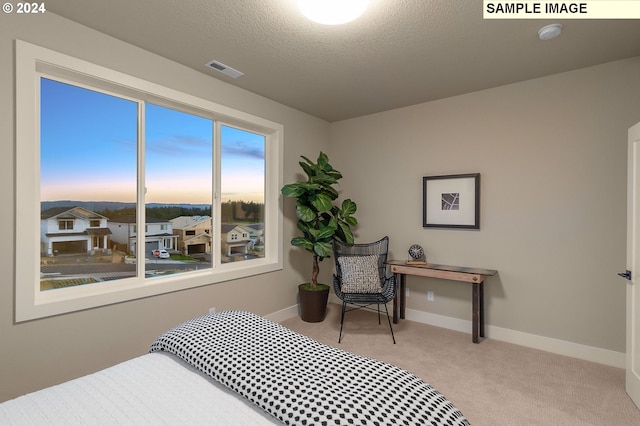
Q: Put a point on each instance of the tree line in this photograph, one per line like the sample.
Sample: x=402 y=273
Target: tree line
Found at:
x=231 y=211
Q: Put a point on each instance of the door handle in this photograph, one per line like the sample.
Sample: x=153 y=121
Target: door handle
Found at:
x=626 y=275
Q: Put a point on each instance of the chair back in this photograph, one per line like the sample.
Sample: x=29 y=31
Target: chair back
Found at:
x=380 y=248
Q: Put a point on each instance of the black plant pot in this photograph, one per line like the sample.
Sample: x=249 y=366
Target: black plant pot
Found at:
x=313 y=302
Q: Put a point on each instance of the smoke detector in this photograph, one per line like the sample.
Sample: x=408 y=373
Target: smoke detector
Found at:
x=550 y=31
x=224 y=69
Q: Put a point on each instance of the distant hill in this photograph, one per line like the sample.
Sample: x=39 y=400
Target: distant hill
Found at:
x=98 y=206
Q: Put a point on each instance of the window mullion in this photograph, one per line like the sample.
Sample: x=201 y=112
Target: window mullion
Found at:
x=141 y=195
x=216 y=207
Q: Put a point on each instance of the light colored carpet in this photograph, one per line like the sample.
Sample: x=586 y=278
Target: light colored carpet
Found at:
x=492 y=383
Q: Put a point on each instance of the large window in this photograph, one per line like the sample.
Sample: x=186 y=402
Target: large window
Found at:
x=201 y=180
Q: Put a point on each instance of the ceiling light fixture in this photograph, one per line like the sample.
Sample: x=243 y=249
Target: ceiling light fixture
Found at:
x=550 y=31
x=332 y=12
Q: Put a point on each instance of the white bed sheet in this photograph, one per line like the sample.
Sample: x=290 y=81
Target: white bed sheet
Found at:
x=153 y=389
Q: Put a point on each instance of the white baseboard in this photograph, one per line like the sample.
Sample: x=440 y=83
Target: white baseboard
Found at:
x=283 y=314
x=548 y=344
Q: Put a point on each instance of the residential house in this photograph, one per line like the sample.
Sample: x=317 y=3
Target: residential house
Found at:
x=235 y=239
x=256 y=233
x=73 y=230
x=158 y=234
x=194 y=234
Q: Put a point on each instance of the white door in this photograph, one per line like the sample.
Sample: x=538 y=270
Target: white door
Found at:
x=633 y=265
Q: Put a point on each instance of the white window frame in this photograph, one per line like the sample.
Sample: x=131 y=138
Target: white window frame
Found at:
x=33 y=62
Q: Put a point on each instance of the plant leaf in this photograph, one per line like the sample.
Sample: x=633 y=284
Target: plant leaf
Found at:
x=346 y=234
x=351 y=221
x=322 y=249
x=305 y=213
x=323 y=160
x=307 y=168
x=292 y=190
x=326 y=232
x=321 y=201
x=348 y=207
x=301 y=242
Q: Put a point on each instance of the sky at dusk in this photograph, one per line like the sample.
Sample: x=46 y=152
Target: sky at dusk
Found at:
x=88 y=151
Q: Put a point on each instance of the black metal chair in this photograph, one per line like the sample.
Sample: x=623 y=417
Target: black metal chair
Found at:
x=361 y=278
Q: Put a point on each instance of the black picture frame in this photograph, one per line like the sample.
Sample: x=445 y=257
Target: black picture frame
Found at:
x=451 y=201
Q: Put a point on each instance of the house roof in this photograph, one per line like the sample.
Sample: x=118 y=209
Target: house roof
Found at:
x=70 y=213
x=202 y=236
x=98 y=231
x=164 y=234
x=185 y=222
x=228 y=227
x=88 y=231
x=399 y=53
x=256 y=226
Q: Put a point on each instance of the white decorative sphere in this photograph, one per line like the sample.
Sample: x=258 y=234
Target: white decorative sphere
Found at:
x=416 y=251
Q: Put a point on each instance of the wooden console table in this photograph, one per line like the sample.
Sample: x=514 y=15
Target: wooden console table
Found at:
x=475 y=276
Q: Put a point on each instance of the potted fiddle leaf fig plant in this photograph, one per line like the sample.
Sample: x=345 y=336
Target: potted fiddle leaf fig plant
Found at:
x=319 y=220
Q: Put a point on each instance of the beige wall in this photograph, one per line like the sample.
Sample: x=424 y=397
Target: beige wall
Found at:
x=552 y=157
x=47 y=351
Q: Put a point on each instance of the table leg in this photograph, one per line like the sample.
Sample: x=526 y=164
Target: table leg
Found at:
x=481 y=301
x=400 y=300
x=395 y=299
x=403 y=295
x=475 y=312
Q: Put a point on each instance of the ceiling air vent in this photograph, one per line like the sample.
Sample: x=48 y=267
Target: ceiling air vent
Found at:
x=219 y=66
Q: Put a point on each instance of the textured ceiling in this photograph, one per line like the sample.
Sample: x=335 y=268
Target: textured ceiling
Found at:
x=399 y=53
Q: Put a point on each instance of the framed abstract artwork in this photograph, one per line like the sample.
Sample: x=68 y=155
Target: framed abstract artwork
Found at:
x=451 y=201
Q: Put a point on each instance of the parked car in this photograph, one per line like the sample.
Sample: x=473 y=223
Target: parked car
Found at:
x=161 y=253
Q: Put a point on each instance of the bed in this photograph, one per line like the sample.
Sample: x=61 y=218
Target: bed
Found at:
x=235 y=367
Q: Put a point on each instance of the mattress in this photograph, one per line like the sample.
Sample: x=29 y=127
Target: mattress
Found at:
x=153 y=389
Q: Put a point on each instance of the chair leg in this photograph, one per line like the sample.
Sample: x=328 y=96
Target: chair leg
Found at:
x=390 y=327
x=344 y=307
x=379 y=314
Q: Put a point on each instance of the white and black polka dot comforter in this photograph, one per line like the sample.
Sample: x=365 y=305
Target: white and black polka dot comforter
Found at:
x=301 y=381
